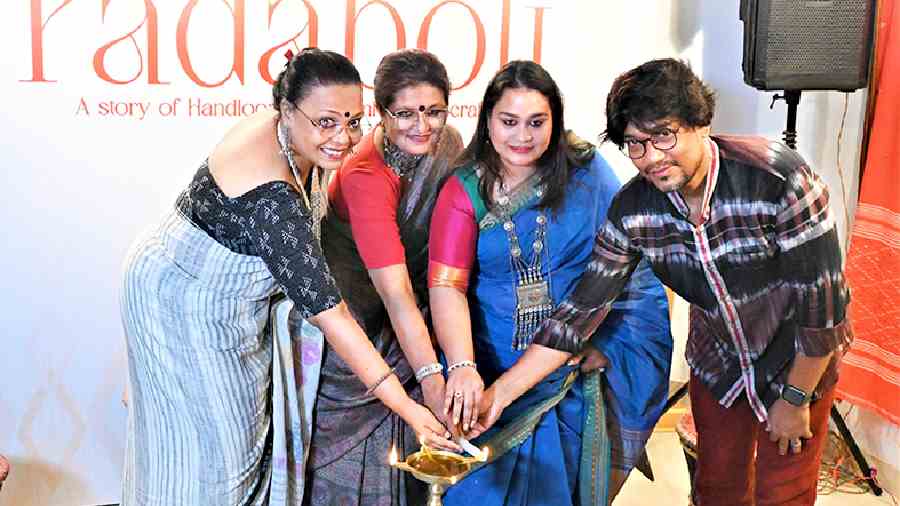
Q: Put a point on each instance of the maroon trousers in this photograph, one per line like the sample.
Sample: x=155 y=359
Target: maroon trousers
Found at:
x=737 y=465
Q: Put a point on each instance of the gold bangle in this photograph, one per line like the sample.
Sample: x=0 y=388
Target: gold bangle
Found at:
x=379 y=381
x=446 y=275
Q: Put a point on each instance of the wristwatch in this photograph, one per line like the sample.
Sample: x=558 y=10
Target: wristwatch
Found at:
x=795 y=396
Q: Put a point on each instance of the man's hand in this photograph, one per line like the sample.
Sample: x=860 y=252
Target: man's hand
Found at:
x=492 y=406
x=788 y=426
x=590 y=358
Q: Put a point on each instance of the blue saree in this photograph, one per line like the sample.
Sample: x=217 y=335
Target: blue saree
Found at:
x=548 y=465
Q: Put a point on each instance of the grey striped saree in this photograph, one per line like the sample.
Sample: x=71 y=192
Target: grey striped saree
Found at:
x=217 y=413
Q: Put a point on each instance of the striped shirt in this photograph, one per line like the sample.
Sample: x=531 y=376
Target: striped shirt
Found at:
x=762 y=270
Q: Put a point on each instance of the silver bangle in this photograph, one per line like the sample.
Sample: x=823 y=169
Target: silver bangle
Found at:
x=379 y=381
x=427 y=370
x=461 y=363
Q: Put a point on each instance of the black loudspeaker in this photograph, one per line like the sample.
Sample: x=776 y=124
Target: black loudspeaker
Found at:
x=807 y=44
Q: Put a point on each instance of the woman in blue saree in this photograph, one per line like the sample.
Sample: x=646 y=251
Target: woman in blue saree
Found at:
x=511 y=234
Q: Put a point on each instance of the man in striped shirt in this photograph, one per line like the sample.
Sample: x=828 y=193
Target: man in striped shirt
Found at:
x=740 y=227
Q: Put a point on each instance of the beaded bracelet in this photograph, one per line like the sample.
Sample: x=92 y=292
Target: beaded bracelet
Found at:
x=427 y=370
x=461 y=363
x=379 y=381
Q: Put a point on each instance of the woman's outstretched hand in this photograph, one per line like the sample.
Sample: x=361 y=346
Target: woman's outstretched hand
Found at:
x=463 y=398
x=433 y=389
x=429 y=430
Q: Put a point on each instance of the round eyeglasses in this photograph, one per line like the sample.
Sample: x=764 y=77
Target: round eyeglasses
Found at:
x=664 y=140
x=407 y=118
x=331 y=127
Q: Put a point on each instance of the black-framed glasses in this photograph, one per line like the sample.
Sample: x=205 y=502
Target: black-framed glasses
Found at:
x=663 y=140
x=331 y=127
x=406 y=118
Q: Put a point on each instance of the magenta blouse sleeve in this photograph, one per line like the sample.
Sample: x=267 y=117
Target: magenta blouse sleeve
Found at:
x=453 y=238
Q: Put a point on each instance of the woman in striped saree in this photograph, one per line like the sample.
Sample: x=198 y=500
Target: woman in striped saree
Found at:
x=197 y=295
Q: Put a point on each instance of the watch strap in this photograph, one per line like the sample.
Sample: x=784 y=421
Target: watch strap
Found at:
x=795 y=396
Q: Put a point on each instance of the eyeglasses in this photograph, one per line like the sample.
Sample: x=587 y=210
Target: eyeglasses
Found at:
x=637 y=148
x=330 y=127
x=406 y=118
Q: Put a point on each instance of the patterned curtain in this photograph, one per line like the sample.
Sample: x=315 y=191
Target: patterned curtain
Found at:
x=871 y=372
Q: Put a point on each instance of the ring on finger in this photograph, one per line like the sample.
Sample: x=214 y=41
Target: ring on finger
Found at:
x=457 y=394
x=795 y=443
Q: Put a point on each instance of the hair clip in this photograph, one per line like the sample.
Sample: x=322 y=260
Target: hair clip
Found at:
x=289 y=54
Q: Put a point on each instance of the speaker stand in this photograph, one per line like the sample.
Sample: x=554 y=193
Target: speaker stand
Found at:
x=792 y=98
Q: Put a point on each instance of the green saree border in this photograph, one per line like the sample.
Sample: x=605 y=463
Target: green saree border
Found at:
x=594 y=468
x=595 y=445
x=469 y=179
x=486 y=219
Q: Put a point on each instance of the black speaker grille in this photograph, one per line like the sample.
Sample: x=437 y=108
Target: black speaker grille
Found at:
x=807 y=44
x=821 y=37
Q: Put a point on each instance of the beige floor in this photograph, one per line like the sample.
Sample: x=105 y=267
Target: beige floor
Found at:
x=671 y=487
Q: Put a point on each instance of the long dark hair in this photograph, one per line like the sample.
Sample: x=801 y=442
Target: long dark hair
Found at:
x=563 y=154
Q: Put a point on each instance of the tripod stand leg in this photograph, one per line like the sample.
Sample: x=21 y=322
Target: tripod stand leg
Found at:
x=854 y=450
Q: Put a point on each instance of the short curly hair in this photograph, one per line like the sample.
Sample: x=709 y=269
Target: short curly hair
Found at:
x=664 y=88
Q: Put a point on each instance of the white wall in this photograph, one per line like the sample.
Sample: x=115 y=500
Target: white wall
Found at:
x=77 y=188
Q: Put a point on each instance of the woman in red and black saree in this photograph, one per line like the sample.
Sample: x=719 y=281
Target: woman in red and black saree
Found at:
x=511 y=234
x=376 y=245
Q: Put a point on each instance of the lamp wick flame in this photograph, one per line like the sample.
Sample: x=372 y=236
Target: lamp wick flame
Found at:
x=392 y=456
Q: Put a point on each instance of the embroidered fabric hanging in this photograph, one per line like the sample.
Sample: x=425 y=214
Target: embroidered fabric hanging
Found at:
x=401 y=162
x=533 y=302
x=316 y=201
